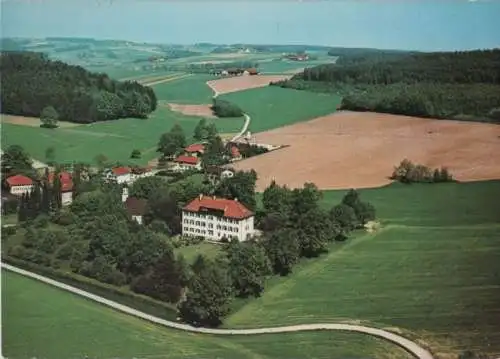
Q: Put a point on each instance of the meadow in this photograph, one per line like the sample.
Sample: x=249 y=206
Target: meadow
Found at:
x=34 y=327
x=190 y=253
x=272 y=107
x=114 y=139
x=188 y=90
x=431 y=270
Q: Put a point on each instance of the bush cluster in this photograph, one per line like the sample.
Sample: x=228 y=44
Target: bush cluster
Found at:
x=408 y=172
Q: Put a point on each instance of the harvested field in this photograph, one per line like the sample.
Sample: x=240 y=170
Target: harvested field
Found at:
x=240 y=83
x=192 y=110
x=32 y=121
x=360 y=150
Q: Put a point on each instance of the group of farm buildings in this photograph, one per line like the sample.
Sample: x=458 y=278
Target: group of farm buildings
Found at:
x=208 y=217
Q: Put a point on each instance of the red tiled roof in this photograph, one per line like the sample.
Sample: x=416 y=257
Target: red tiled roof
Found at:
x=120 y=171
x=231 y=208
x=19 y=180
x=190 y=160
x=66 y=181
x=195 y=147
x=136 y=206
x=235 y=151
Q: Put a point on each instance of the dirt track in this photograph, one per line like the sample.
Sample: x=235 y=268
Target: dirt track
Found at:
x=360 y=150
x=239 y=83
x=32 y=121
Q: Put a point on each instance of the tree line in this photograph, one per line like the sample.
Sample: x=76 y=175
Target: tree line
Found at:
x=454 y=85
x=31 y=82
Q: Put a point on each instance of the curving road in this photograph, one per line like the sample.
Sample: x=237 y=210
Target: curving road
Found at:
x=247 y=118
x=406 y=344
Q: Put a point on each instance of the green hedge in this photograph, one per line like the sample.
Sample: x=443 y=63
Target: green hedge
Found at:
x=119 y=295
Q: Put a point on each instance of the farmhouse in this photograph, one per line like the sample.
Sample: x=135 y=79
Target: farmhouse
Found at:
x=183 y=163
x=66 y=186
x=120 y=174
x=217 y=218
x=127 y=174
x=19 y=184
x=136 y=207
x=195 y=150
x=251 y=72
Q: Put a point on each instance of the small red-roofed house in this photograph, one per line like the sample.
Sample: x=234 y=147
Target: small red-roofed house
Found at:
x=183 y=163
x=122 y=174
x=216 y=218
x=195 y=150
x=66 y=180
x=19 y=184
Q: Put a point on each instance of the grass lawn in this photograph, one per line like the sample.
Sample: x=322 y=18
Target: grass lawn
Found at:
x=114 y=139
x=432 y=269
x=187 y=90
x=272 y=107
x=190 y=253
x=45 y=322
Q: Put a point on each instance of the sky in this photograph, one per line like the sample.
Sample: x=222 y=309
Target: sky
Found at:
x=424 y=25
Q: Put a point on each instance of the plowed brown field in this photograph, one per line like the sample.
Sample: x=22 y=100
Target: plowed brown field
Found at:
x=193 y=110
x=239 y=83
x=360 y=150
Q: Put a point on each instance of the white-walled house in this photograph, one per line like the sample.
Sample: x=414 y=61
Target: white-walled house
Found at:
x=122 y=174
x=19 y=184
x=66 y=187
x=215 y=218
x=136 y=207
x=183 y=163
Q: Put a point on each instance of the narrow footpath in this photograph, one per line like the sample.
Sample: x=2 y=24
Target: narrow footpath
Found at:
x=412 y=347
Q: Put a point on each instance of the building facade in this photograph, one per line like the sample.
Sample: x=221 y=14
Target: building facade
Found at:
x=217 y=218
x=19 y=184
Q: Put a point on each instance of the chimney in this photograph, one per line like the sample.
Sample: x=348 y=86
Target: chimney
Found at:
x=200 y=196
x=213 y=197
x=236 y=199
x=124 y=194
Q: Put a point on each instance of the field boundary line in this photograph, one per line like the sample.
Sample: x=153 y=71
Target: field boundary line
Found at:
x=410 y=346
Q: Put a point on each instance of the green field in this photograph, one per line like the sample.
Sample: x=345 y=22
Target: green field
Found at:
x=191 y=252
x=188 y=90
x=433 y=269
x=44 y=322
x=114 y=139
x=272 y=107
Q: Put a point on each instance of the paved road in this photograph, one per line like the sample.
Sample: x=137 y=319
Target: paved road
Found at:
x=407 y=344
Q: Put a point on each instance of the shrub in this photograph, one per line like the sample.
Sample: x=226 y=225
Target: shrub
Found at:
x=65 y=252
x=17 y=251
x=408 y=172
x=8 y=231
x=223 y=108
x=56 y=264
x=135 y=154
x=115 y=277
x=64 y=218
x=39 y=258
x=41 y=221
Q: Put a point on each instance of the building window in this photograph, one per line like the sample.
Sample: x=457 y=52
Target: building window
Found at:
x=210 y=225
x=211 y=233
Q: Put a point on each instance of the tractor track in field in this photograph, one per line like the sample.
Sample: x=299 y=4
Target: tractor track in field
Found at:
x=413 y=348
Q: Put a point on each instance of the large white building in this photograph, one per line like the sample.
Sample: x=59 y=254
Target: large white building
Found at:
x=215 y=218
